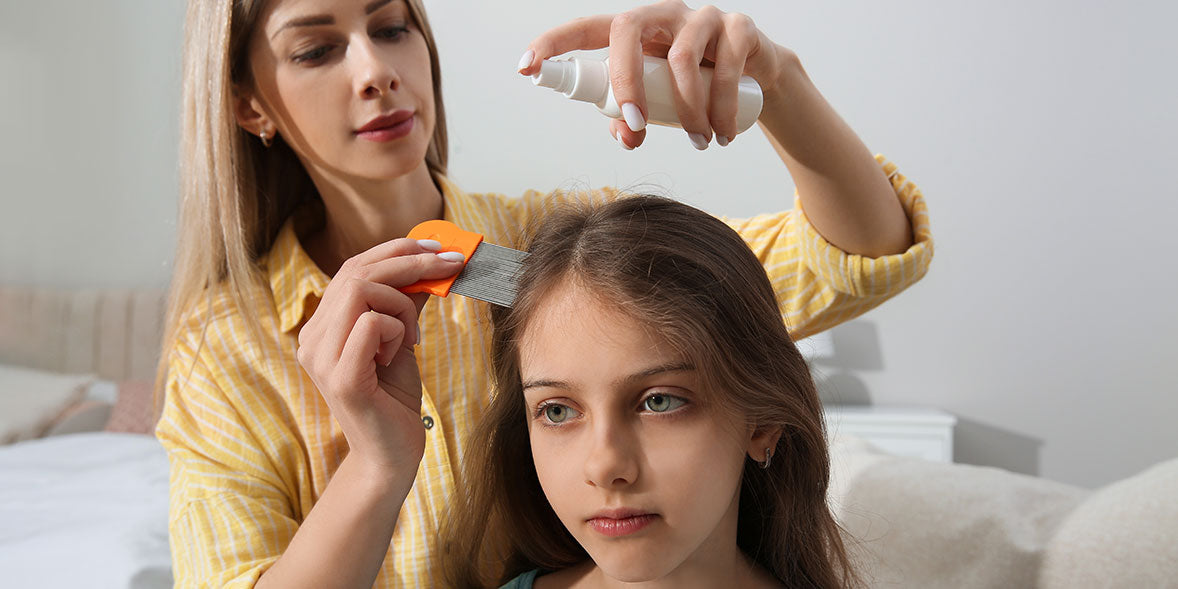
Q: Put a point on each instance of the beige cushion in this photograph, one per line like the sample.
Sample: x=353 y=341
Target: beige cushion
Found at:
x=31 y=400
x=916 y=523
x=1124 y=535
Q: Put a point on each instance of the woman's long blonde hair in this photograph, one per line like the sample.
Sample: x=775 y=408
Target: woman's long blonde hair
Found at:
x=235 y=193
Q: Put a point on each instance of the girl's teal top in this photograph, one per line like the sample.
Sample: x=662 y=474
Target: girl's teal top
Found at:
x=523 y=581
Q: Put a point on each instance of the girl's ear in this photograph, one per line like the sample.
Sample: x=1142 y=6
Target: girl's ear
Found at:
x=761 y=440
x=250 y=113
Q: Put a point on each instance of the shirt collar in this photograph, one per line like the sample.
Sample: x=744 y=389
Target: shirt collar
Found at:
x=295 y=280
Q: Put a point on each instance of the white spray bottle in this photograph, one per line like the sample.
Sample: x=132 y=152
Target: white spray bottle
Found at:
x=587 y=80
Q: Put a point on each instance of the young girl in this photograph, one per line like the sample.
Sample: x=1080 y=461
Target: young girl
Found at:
x=653 y=422
x=313 y=438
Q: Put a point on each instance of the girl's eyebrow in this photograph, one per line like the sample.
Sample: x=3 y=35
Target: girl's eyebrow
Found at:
x=325 y=19
x=669 y=367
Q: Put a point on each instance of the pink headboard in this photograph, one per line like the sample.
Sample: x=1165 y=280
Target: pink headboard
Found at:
x=113 y=333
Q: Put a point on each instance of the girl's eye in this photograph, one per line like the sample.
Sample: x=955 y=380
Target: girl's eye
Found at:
x=559 y=413
x=660 y=403
x=314 y=55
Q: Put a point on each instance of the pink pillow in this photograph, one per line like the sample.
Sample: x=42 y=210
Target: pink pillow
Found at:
x=134 y=411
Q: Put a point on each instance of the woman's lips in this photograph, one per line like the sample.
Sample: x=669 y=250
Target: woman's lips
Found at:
x=383 y=131
x=622 y=526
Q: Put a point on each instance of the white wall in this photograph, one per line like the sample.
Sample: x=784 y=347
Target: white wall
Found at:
x=88 y=140
x=1043 y=135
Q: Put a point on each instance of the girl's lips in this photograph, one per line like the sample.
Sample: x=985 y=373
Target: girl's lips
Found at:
x=389 y=133
x=624 y=526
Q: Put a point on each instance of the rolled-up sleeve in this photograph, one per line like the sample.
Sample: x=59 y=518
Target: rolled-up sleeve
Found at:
x=820 y=285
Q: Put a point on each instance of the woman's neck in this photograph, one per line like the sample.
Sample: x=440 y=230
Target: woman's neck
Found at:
x=360 y=215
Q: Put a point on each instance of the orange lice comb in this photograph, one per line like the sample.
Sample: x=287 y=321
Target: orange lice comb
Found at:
x=490 y=272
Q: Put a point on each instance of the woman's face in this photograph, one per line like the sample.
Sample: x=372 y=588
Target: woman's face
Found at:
x=642 y=472
x=347 y=83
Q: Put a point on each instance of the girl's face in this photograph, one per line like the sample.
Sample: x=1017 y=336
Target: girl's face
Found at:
x=347 y=84
x=642 y=472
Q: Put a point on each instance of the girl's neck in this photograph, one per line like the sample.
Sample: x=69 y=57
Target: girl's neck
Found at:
x=738 y=572
x=359 y=215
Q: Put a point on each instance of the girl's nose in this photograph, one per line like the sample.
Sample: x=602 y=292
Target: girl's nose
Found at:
x=613 y=457
x=374 y=76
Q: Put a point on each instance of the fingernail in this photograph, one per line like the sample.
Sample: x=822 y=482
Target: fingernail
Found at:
x=526 y=60
x=452 y=256
x=699 y=141
x=430 y=245
x=633 y=117
x=623 y=143
x=722 y=140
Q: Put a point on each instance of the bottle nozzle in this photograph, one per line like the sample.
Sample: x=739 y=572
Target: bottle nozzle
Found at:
x=558 y=75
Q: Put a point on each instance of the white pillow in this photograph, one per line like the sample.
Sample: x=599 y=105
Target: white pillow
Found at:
x=30 y=400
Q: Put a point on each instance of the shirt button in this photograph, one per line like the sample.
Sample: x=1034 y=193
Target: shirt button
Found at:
x=428 y=422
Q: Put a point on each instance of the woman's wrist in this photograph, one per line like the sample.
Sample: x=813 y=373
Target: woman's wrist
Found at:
x=786 y=87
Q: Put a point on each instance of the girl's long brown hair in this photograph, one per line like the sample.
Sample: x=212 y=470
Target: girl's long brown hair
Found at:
x=693 y=281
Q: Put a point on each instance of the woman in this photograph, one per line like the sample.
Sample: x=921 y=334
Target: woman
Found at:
x=310 y=434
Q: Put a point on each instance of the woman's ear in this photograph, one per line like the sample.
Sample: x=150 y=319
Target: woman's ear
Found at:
x=250 y=113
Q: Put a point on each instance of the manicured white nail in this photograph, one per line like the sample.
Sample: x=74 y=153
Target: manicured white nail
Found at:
x=722 y=140
x=430 y=245
x=622 y=143
x=633 y=117
x=699 y=141
x=452 y=256
x=526 y=60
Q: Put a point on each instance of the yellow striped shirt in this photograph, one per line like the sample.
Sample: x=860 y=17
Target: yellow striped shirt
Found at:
x=252 y=445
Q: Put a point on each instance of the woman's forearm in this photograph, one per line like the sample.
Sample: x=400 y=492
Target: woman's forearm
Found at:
x=843 y=191
x=345 y=537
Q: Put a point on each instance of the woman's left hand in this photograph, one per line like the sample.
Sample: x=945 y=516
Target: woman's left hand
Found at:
x=686 y=38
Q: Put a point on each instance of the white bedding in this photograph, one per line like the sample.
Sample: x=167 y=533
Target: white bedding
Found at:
x=84 y=510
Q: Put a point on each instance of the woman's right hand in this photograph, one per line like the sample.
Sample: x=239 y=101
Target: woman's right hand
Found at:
x=358 y=350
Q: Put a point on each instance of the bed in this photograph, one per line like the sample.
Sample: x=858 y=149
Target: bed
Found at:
x=83 y=486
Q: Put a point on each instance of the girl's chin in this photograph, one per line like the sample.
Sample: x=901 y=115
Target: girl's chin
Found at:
x=626 y=568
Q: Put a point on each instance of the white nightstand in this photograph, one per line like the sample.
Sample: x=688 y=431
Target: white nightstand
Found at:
x=921 y=432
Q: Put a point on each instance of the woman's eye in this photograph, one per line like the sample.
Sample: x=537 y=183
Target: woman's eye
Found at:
x=313 y=55
x=391 y=32
x=662 y=403
x=558 y=413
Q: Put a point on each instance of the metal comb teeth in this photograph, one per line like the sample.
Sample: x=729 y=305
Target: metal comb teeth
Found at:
x=491 y=275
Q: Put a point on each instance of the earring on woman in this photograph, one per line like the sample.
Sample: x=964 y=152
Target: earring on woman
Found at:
x=266 y=140
x=768 y=457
